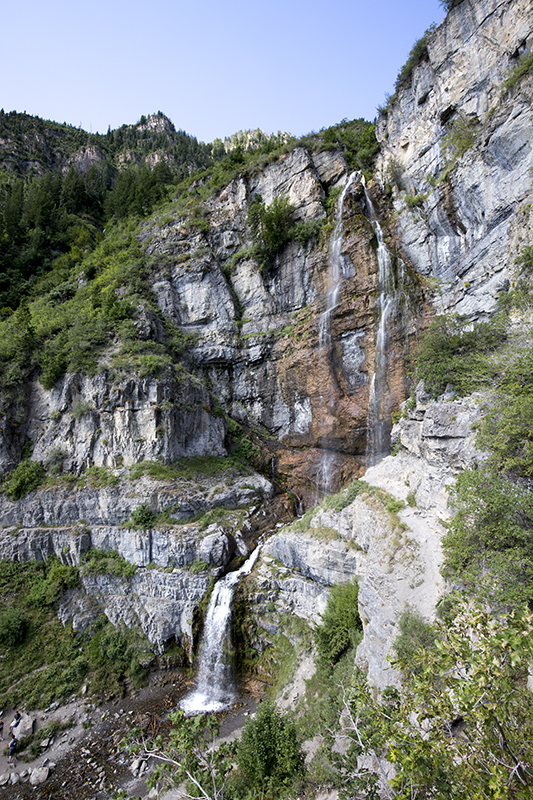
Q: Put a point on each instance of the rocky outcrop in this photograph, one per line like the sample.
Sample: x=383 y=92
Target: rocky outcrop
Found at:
x=396 y=556
x=457 y=149
x=175 y=564
x=99 y=422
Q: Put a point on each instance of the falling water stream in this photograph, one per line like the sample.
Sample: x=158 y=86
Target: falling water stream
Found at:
x=378 y=421
x=215 y=689
x=335 y=263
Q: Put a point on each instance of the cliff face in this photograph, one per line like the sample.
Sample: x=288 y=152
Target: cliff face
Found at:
x=307 y=353
x=259 y=330
x=470 y=220
x=288 y=350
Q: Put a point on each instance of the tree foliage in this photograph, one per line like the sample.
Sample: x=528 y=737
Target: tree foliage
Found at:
x=460 y=726
x=414 y=635
x=489 y=544
x=187 y=755
x=13 y=627
x=269 y=755
x=453 y=352
x=271 y=227
x=26 y=477
x=340 y=627
x=417 y=53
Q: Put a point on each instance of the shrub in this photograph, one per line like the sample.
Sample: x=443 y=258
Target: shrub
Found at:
x=49 y=587
x=418 y=52
x=54 y=459
x=81 y=408
x=12 y=627
x=346 y=496
x=488 y=548
x=415 y=636
x=450 y=353
x=142 y=517
x=271 y=227
x=460 y=136
x=26 y=477
x=199 y=566
x=269 y=755
x=341 y=626
x=304 y=232
x=524 y=67
x=108 y=562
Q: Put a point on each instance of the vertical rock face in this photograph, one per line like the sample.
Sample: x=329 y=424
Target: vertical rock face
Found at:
x=458 y=145
x=255 y=353
x=258 y=329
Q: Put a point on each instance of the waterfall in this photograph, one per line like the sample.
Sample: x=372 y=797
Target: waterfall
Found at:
x=335 y=263
x=215 y=689
x=378 y=420
x=335 y=260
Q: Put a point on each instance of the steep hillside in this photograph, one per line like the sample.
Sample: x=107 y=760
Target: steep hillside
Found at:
x=249 y=346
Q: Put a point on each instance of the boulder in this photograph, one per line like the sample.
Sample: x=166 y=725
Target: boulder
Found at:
x=39 y=775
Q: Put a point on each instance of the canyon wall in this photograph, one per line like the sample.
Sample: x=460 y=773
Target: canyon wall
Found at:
x=451 y=200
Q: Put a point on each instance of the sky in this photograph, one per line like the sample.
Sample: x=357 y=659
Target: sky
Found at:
x=214 y=68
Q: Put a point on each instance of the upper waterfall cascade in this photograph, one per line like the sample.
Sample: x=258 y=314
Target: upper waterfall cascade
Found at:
x=335 y=275
x=388 y=296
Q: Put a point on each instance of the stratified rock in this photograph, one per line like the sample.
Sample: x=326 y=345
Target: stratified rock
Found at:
x=467 y=229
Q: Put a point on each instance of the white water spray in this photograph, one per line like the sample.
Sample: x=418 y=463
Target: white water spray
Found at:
x=215 y=689
x=335 y=262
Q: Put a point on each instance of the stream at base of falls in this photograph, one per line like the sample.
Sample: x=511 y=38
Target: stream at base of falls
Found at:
x=215 y=689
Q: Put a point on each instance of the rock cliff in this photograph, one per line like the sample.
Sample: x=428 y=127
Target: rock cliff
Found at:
x=305 y=355
x=456 y=147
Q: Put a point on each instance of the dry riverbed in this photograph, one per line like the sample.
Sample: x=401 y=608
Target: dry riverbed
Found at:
x=85 y=760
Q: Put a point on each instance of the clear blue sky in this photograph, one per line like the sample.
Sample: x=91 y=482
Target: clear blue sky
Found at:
x=213 y=67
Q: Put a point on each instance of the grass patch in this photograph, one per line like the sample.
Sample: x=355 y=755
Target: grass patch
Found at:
x=339 y=501
x=190 y=469
x=523 y=68
x=107 y=562
x=50 y=662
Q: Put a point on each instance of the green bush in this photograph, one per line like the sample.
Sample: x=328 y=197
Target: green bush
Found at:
x=13 y=627
x=53 y=581
x=415 y=637
x=142 y=517
x=346 y=496
x=25 y=478
x=341 y=626
x=460 y=136
x=451 y=352
x=271 y=227
x=304 y=232
x=269 y=755
x=418 y=52
x=108 y=562
x=524 y=67
x=114 y=653
x=488 y=547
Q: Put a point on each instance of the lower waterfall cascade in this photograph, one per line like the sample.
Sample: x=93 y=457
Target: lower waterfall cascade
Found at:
x=215 y=689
